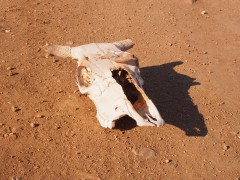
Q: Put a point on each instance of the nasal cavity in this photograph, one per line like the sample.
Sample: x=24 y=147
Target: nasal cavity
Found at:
x=124 y=79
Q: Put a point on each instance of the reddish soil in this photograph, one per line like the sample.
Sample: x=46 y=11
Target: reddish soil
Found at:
x=191 y=66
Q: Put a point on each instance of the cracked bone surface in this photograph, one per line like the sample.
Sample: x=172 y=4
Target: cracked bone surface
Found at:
x=110 y=77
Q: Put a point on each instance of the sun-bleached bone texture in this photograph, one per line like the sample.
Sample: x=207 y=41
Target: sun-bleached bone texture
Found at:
x=110 y=77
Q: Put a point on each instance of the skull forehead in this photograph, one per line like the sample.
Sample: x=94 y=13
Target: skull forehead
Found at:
x=92 y=50
x=100 y=67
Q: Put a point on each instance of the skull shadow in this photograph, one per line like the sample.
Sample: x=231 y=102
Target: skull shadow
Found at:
x=168 y=90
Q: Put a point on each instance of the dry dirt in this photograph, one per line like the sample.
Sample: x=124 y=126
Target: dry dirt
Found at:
x=191 y=66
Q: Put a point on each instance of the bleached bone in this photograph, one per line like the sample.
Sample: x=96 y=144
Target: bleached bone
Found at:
x=124 y=44
x=61 y=51
x=111 y=79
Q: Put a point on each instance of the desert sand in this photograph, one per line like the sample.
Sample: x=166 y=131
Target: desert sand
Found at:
x=190 y=61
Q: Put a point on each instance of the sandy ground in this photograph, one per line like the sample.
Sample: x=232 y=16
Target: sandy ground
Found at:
x=191 y=66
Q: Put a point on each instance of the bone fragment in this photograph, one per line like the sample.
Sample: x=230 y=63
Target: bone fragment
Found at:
x=57 y=50
x=124 y=44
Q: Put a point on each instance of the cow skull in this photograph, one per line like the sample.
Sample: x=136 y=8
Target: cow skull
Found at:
x=110 y=76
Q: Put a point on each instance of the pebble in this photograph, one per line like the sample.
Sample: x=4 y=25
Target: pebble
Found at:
x=47 y=55
x=204 y=12
x=38 y=50
x=168 y=160
x=50 y=139
x=225 y=147
x=57 y=127
x=75 y=91
x=59 y=91
x=10 y=68
x=55 y=60
x=190 y=1
x=16 y=178
x=170 y=44
x=10 y=73
x=36 y=167
x=33 y=125
x=13 y=135
x=15 y=108
x=7 y=31
x=145 y=152
x=40 y=116
x=14 y=130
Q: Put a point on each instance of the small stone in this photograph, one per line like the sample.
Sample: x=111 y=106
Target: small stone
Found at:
x=75 y=91
x=205 y=52
x=40 y=116
x=16 y=178
x=36 y=167
x=10 y=68
x=15 y=108
x=168 y=160
x=190 y=1
x=145 y=152
x=5 y=135
x=225 y=147
x=7 y=31
x=33 y=125
x=14 y=130
x=47 y=55
x=10 y=73
x=57 y=127
x=188 y=52
x=170 y=44
x=204 y=12
x=38 y=50
x=50 y=139
x=55 y=60
x=13 y=135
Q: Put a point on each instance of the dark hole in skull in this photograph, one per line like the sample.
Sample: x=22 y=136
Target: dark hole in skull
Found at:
x=133 y=94
x=122 y=77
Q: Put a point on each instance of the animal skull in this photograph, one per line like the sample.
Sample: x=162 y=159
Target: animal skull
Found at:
x=110 y=77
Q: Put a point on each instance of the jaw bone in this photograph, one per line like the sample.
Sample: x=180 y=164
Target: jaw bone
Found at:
x=111 y=79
